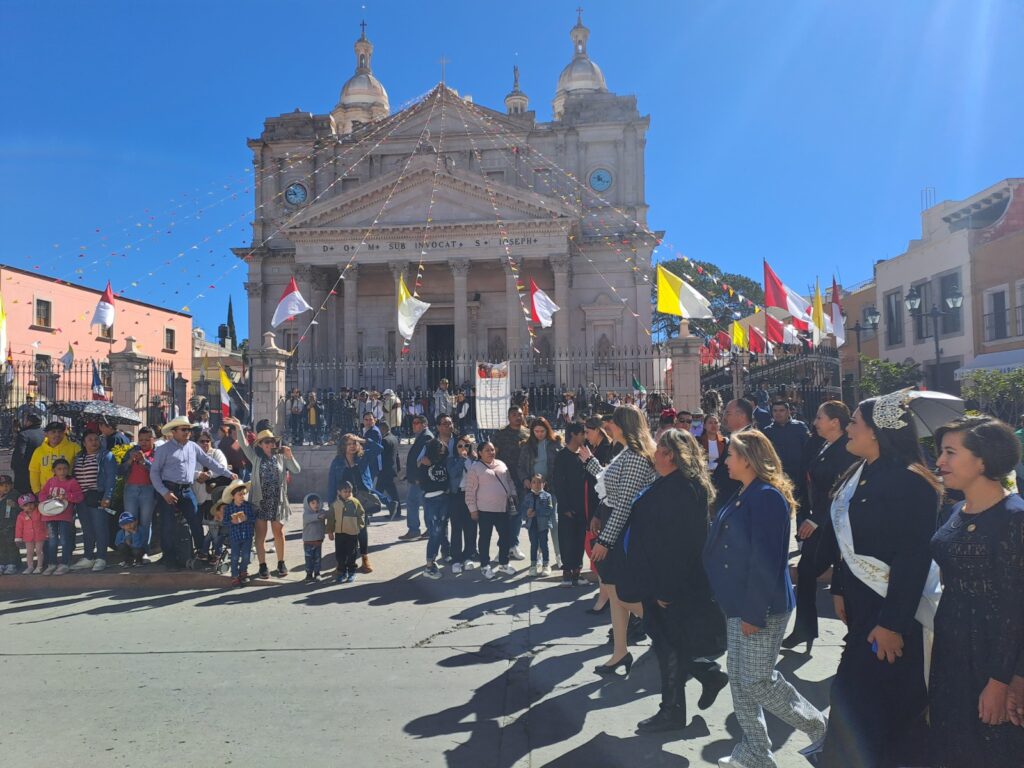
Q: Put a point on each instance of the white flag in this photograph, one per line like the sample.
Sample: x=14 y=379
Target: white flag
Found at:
x=290 y=305
x=410 y=310
x=104 y=314
x=542 y=308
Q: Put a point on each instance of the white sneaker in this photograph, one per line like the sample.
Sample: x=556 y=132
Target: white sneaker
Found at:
x=533 y=569
x=39 y=569
x=730 y=762
x=456 y=568
x=488 y=572
x=27 y=571
x=99 y=565
x=83 y=565
x=516 y=554
x=11 y=570
x=61 y=570
x=545 y=571
x=508 y=570
x=50 y=570
x=469 y=565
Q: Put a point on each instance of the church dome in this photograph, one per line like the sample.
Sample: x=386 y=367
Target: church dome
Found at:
x=363 y=98
x=581 y=75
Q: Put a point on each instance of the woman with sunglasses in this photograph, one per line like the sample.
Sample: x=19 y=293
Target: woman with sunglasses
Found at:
x=464 y=528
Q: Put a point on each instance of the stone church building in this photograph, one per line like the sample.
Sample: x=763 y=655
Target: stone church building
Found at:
x=366 y=195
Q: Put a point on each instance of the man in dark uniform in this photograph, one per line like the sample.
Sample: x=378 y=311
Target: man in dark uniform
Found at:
x=29 y=438
x=421 y=436
x=737 y=417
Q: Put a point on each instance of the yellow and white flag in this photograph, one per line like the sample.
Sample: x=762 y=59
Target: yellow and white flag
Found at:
x=678 y=297
x=410 y=310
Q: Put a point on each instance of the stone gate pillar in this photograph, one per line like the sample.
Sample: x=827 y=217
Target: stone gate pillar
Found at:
x=685 y=353
x=129 y=378
x=268 y=382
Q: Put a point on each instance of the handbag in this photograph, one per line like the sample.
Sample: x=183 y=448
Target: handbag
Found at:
x=510 y=499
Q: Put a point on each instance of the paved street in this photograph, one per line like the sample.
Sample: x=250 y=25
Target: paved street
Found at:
x=393 y=670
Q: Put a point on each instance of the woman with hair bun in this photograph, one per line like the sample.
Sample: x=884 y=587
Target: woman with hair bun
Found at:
x=884 y=589
x=979 y=626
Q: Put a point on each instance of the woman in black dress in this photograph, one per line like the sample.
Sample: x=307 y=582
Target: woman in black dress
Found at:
x=817 y=555
x=979 y=626
x=884 y=514
x=664 y=571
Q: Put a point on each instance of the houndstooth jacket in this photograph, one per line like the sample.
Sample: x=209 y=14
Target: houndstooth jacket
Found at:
x=624 y=478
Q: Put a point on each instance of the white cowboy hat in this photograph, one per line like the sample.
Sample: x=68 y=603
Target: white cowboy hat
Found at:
x=53 y=507
x=181 y=421
x=229 y=490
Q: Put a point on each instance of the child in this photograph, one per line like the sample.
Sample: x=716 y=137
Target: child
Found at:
x=60 y=528
x=313 y=528
x=216 y=532
x=128 y=540
x=242 y=518
x=31 y=529
x=540 y=512
x=346 y=519
x=10 y=555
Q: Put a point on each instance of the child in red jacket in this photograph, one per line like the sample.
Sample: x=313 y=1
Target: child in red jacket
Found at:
x=61 y=528
x=31 y=529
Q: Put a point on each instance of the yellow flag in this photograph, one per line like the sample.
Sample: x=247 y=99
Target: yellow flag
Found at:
x=739 y=336
x=3 y=327
x=677 y=297
x=410 y=310
x=818 y=315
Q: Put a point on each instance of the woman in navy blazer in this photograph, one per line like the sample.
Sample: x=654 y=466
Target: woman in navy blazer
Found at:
x=747 y=562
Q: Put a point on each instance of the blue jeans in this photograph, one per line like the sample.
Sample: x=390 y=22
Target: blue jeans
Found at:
x=538 y=540
x=436 y=510
x=515 y=524
x=240 y=551
x=188 y=509
x=140 y=500
x=412 y=507
x=95 y=530
x=312 y=550
x=63 y=532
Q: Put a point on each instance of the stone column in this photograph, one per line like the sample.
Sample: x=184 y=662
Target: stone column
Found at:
x=560 y=266
x=460 y=275
x=685 y=353
x=254 y=290
x=331 y=321
x=350 y=324
x=304 y=276
x=268 y=382
x=513 y=311
x=129 y=378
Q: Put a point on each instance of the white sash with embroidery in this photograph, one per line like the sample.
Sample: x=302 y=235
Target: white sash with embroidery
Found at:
x=875 y=573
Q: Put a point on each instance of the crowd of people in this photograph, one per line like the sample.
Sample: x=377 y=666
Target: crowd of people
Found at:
x=687 y=529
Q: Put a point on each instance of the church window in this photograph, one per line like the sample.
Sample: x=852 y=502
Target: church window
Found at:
x=362 y=59
x=44 y=313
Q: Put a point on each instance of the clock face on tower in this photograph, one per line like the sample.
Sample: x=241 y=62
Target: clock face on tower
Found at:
x=295 y=194
x=600 y=179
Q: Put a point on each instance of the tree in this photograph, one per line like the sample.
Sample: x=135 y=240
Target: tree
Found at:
x=998 y=393
x=724 y=306
x=881 y=376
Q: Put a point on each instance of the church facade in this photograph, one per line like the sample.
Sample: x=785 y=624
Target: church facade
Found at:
x=468 y=203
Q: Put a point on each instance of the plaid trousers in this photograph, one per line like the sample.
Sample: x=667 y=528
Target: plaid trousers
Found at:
x=757 y=686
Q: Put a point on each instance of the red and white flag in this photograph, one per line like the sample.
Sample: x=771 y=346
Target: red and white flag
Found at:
x=104 y=314
x=778 y=294
x=290 y=305
x=773 y=329
x=837 y=316
x=542 y=308
x=790 y=335
x=757 y=341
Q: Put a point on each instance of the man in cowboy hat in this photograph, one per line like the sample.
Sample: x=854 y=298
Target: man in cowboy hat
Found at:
x=172 y=473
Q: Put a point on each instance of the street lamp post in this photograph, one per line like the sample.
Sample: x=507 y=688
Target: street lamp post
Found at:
x=953 y=302
x=871 y=319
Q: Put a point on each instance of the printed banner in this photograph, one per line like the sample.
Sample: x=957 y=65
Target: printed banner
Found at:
x=492 y=395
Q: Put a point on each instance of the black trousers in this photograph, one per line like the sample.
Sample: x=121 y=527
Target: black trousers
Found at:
x=815 y=559
x=490 y=521
x=464 y=529
x=345 y=548
x=571 y=533
x=666 y=628
x=386 y=485
x=364 y=541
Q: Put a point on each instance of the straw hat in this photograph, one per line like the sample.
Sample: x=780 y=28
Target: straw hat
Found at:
x=266 y=434
x=171 y=425
x=230 y=489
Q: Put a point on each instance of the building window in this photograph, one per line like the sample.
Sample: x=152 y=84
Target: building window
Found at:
x=169 y=340
x=1020 y=308
x=106 y=332
x=952 y=321
x=392 y=346
x=894 y=318
x=922 y=322
x=44 y=313
x=865 y=321
x=997 y=315
x=43 y=363
x=347 y=184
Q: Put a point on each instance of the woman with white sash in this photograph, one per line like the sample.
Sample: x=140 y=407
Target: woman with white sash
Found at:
x=883 y=516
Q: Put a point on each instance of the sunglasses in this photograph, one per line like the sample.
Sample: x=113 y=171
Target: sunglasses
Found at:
x=464 y=445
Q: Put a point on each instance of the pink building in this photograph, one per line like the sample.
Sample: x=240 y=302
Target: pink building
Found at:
x=46 y=314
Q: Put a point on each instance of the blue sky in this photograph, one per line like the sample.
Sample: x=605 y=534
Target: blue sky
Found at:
x=800 y=131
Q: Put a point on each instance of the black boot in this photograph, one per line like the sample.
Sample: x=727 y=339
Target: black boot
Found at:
x=667 y=719
x=635 y=630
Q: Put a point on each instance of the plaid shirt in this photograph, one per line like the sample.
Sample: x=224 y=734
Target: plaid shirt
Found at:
x=240 y=531
x=624 y=478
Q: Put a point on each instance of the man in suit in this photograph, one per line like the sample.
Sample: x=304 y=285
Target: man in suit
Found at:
x=390 y=467
x=737 y=417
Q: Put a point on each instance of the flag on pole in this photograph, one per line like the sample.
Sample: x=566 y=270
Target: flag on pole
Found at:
x=790 y=335
x=818 y=315
x=3 y=324
x=541 y=306
x=678 y=297
x=104 y=314
x=68 y=358
x=98 y=391
x=724 y=340
x=838 y=328
x=9 y=365
x=290 y=305
x=638 y=387
x=739 y=336
x=758 y=343
x=410 y=310
x=778 y=294
x=773 y=330
x=228 y=393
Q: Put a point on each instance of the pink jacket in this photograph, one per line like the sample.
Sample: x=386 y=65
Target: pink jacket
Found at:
x=69 y=490
x=30 y=526
x=488 y=487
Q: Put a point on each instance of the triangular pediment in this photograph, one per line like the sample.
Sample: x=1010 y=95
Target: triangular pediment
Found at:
x=403 y=198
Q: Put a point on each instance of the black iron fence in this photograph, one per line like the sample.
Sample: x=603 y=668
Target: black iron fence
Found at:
x=805 y=377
